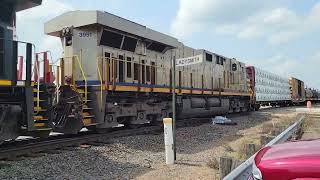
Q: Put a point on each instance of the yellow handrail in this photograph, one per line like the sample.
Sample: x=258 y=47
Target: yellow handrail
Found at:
x=84 y=78
x=82 y=73
x=101 y=82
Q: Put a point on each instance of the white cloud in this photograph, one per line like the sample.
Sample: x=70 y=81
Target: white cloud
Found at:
x=205 y=14
x=244 y=19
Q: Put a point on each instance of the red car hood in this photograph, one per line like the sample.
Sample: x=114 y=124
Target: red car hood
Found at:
x=290 y=160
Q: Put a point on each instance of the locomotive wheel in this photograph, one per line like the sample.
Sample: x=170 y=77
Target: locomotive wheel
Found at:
x=9 y=128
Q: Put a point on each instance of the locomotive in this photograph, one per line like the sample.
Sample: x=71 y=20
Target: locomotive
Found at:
x=116 y=72
x=119 y=72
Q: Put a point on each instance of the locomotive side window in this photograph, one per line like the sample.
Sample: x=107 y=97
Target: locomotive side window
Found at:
x=1 y=51
x=129 y=66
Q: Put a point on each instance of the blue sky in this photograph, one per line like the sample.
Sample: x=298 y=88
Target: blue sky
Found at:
x=280 y=36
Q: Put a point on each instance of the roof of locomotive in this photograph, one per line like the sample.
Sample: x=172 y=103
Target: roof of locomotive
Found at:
x=81 y=18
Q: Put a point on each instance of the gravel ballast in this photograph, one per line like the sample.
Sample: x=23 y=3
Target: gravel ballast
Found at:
x=142 y=157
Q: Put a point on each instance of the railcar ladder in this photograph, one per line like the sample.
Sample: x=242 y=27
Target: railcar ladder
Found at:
x=41 y=105
x=87 y=109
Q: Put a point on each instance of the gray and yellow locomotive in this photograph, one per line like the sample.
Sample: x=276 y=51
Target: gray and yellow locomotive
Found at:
x=114 y=71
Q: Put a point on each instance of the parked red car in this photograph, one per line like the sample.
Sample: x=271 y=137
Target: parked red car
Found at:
x=299 y=160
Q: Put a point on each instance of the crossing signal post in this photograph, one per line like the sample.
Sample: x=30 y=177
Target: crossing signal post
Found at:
x=174 y=106
x=172 y=134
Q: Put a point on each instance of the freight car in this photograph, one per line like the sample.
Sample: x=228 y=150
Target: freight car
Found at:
x=268 y=88
x=312 y=95
x=115 y=71
x=24 y=104
x=298 y=94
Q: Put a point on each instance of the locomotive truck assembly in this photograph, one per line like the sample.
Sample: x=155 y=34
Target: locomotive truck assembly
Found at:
x=116 y=72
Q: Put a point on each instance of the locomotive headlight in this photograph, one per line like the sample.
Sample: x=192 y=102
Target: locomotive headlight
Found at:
x=256 y=173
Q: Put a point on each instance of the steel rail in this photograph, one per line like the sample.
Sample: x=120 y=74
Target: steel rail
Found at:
x=243 y=171
x=50 y=144
x=31 y=146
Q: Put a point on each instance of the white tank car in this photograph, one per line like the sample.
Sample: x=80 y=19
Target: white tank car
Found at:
x=123 y=71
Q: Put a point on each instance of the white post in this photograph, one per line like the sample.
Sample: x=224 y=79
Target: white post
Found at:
x=168 y=140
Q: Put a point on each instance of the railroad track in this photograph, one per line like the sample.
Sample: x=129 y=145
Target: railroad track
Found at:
x=27 y=147
x=17 y=148
x=243 y=171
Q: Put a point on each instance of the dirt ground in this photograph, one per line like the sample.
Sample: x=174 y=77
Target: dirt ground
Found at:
x=204 y=164
x=311 y=128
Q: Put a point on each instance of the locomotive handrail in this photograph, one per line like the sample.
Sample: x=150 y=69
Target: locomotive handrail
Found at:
x=84 y=78
x=82 y=73
x=101 y=81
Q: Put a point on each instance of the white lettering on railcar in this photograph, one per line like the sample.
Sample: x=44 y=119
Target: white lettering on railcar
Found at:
x=189 y=60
